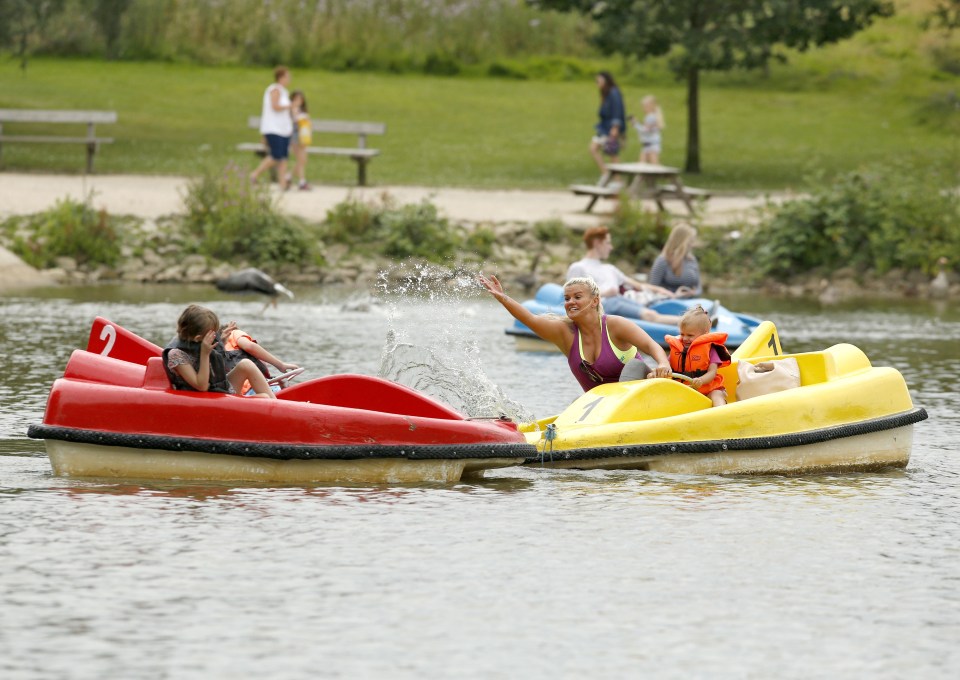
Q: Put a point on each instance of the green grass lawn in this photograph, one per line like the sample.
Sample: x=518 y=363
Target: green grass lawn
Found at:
x=834 y=113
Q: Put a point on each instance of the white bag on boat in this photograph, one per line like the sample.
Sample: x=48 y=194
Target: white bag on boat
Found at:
x=784 y=376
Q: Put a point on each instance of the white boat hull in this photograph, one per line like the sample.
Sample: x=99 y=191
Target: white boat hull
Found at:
x=71 y=459
x=871 y=451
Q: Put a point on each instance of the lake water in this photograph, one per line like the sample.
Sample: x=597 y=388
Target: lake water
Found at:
x=531 y=573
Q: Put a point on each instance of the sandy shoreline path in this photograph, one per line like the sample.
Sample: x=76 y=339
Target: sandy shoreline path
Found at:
x=152 y=196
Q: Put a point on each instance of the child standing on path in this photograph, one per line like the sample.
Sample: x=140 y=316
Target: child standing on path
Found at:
x=698 y=353
x=649 y=130
x=302 y=137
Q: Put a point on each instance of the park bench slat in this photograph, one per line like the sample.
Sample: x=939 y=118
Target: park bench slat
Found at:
x=45 y=116
x=55 y=140
x=596 y=190
x=673 y=190
x=324 y=150
x=77 y=117
x=346 y=127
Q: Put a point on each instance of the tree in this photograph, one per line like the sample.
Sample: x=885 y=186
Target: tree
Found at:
x=24 y=21
x=718 y=35
x=108 y=15
x=947 y=14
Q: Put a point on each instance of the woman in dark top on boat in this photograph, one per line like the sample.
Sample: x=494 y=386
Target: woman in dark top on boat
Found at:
x=600 y=348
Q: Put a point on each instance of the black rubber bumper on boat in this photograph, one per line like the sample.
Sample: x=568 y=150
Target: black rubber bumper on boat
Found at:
x=284 y=451
x=744 y=444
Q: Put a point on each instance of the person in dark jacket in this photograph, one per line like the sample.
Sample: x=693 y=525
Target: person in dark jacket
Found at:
x=610 y=131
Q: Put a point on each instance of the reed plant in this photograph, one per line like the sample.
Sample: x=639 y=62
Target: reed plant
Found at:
x=433 y=36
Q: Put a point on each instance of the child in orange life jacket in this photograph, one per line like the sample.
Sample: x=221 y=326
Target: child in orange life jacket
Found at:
x=698 y=353
x=238 y=344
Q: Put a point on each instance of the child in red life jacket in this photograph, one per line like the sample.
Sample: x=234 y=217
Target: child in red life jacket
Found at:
x=698 y=353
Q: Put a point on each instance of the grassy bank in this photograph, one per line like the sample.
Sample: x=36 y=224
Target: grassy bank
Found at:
x=858 y=103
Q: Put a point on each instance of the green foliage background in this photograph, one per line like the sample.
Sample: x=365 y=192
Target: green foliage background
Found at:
x=890 y=92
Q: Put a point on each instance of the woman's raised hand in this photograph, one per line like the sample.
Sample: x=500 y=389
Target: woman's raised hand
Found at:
x=492 y=285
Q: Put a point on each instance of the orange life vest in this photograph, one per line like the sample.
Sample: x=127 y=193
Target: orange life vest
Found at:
x=695 y=360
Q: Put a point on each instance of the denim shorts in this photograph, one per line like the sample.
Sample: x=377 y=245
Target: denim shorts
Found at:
x=279 y=147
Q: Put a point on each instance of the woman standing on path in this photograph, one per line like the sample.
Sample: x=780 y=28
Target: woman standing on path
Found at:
x=276 y=126
x=600 y=348
x=610 y=129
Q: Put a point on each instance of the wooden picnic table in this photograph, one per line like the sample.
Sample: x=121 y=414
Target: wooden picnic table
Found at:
x=641 y=180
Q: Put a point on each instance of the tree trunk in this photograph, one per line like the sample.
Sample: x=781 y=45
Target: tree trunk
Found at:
x=693 y=121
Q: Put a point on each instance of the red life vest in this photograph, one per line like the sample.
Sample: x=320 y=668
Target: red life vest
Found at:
x=695 y=360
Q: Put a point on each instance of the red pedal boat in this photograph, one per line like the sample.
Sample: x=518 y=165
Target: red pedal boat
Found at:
x=115 y=414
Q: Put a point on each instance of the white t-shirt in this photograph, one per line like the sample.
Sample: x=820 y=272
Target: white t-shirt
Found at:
x=276 y=122
x=606 y=275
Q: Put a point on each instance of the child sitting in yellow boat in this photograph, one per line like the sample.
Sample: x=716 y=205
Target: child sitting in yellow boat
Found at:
x=698 y=353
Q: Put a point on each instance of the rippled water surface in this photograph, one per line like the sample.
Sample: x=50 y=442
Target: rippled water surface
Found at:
x=530 y=573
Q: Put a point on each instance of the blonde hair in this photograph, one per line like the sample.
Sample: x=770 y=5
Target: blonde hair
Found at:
x=658 y=112
x=678 y=246
x=695 y=317
x=591 y=285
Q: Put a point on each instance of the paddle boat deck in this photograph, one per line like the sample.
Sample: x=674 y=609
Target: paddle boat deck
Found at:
x=120 y=417
x=845 y=414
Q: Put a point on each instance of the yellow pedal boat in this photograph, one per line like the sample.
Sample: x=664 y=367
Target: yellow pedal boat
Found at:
x=845 y=415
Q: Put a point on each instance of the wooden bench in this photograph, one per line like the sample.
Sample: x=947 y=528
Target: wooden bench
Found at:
x=655 y=192
x=88 y=118
x=596 y=191
x=360 y=153
x=682 y=193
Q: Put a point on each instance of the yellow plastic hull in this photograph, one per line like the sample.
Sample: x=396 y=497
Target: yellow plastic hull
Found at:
x=845 y=415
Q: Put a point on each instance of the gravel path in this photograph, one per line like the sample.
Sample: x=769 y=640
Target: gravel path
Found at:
x=150 y=197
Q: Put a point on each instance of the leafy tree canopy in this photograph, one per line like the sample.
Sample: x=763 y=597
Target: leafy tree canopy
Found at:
x=718 y=35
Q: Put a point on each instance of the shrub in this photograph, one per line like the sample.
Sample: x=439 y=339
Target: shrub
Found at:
x=235 y=221
x=876 y=219
x=440 y=64
x=412 y=230
x=480 y=241
x=351 y=220
x=417 y=230
x=70 y=229
x=638 y=235
x=553 y=231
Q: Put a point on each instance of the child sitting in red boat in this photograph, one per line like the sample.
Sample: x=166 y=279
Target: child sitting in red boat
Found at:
x=238 y=345
x=193 y=363
x=698 y=353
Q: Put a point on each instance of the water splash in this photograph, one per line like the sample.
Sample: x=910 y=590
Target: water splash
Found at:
x=433 y=348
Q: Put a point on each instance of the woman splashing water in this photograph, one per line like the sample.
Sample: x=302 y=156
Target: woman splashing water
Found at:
x=600 y=348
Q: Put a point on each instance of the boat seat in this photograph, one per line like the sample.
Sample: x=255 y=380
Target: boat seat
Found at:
x=155 y=377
